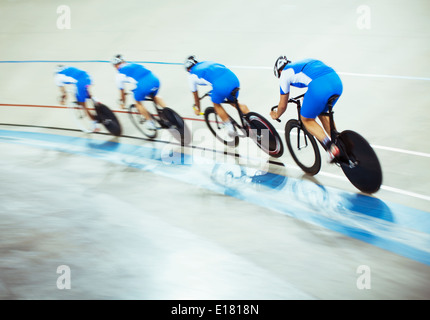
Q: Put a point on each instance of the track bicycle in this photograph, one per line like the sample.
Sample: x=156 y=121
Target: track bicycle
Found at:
x=357 y=158
x=165 y=118
x=103 y=115
x=252 y=125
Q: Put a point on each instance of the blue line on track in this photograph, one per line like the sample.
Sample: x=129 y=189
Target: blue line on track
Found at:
x=241 y=67
x=86 y=61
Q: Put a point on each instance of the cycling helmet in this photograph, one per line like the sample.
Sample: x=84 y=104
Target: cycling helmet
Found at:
x=280 y=64
x=59 y=68
x=117 y=59
x=189 y=62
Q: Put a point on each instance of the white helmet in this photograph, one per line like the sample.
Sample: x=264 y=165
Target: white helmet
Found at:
x=117 y=59
x=189 y=62
x=280 y=64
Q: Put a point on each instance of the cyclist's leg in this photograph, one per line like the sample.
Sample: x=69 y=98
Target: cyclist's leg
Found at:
x=83 y=93
x=217 y=99
x=159 y=101
x=223 y=88
x=154 y=83
x=243 y=107
x=335 y=87
x=325 y=121
x=142 y=109
x=219 y=109
x=314 y=103
x=314 y=128
x=317 y=131
x=219 y=95
x=235 y=85
x=143 y=89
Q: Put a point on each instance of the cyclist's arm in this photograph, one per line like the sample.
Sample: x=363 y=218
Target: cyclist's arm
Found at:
x=282 y=106
x=196 y=99
x=63 y=94
x=284 y=86
x=120 y=80
x=193 y=81
x=122 y=98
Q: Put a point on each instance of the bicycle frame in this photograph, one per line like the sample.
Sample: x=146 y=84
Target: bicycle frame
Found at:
x=296 y=100
x=234 y=103
x=346 y=157
x=334 y=134
x=155 y=106
x=157 y=109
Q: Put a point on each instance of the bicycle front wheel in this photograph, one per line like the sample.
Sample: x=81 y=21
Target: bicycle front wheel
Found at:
x=141 y=123
x=176 y=125
x=264 y=135
x=360 y=164
x=108 y=119
x=303 y=147
x=218 y=129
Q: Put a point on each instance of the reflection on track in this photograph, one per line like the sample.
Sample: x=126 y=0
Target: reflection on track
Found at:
x=399 y=229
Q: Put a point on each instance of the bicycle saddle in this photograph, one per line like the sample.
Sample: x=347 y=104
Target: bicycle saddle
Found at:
x=332 y=100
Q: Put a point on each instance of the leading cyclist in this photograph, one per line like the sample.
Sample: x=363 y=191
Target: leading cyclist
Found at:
x=70 y=75
x=322 y=82
x=223 y=82
x=147 y=85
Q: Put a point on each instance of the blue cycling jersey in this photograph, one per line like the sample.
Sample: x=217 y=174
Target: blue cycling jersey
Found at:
x=209 y=71
x=321 y=80
x=132 y=73
x=134 y=70
x=74 y=73
x=222 y=79
x=80 y=78
x=71 y=75
x=146 y=83
x=301 y=73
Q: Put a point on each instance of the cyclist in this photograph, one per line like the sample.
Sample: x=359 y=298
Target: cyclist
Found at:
x=322 y=82
x=223 y=82
x=147 y=85
x=69 y=75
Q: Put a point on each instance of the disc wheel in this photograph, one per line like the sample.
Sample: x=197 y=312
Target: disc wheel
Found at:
x=176 y=125
x=108 y=119
x=265 y=135
x=359 y=162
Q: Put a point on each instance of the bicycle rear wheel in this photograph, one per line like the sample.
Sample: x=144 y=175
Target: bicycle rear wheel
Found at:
x=264 y=135
x=141 y=123
x=108 y=119
x=303 y=147
x=217 y=127
x=176 y=125
x=359 y=162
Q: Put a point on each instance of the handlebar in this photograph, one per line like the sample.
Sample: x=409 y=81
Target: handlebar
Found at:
x=273 y=108
x=295 y=100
